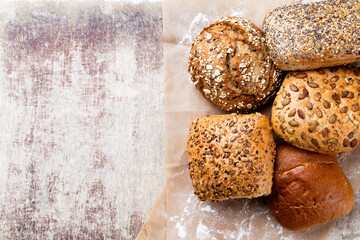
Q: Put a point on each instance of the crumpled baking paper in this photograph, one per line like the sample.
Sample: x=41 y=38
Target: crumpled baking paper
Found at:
x=178 y=214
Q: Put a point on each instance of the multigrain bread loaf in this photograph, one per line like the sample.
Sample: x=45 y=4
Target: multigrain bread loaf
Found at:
x=309 y=188
x=230 y=65
x=231 y=156
x=319 y=110
x=315 y=35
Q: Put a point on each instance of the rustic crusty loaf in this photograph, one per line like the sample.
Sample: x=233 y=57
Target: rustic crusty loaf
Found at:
x=231 y=156
x=319 y=110
x=230 y=65
x=309 y=188
x=315 y=35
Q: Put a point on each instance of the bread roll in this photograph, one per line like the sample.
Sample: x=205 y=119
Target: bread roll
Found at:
x=230 y=65
x=315 y=35
x=309 y=188
x=231 y=156
x=319 y=110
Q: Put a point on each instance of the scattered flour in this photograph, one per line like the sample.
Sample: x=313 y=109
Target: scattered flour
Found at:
x=207 y=208
x=200 y=21
x=202 y=232
x=310 y=1
x=241 y=13
x=181 y=230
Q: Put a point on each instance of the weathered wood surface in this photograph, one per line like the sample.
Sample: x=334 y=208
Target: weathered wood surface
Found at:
x=81 y=119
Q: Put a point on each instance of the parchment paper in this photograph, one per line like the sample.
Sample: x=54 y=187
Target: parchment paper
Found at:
x=178 y=214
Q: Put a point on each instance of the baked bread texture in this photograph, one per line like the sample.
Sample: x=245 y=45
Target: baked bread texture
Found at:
x=231 y=156
x=309 y=188
x=315 y=35
x=319 y=110
x=230 y=65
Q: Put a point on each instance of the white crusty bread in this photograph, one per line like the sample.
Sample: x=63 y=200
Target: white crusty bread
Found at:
x=231 y=156
x=319 y=110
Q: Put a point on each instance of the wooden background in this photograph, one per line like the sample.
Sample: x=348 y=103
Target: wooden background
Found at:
x=81 y=119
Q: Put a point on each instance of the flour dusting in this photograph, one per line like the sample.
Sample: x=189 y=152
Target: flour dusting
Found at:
x=207 y=208
x=202 y=232
x=310 y=1
x=181 y=230
x=196 y=26
x=240 y=13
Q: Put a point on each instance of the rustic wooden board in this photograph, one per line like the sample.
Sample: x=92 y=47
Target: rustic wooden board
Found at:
x=81 y=119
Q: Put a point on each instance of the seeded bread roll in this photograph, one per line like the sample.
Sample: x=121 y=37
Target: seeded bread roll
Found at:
x=230 y=65
x=315 y=35
x=231 y=156
x=319 y=110
x=309 y=188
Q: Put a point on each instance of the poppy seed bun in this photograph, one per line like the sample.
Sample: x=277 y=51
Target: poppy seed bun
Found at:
x=314 y=35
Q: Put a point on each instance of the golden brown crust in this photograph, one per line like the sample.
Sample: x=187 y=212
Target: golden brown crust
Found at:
x=230 y=65
x=309 y=188
x=315 y=35
x=231 y=156
x=319 y=110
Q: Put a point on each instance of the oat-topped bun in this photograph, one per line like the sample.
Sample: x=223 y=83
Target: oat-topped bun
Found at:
x=319 y=110
x=315 y=35
x=230 y=65
x=231 y=156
